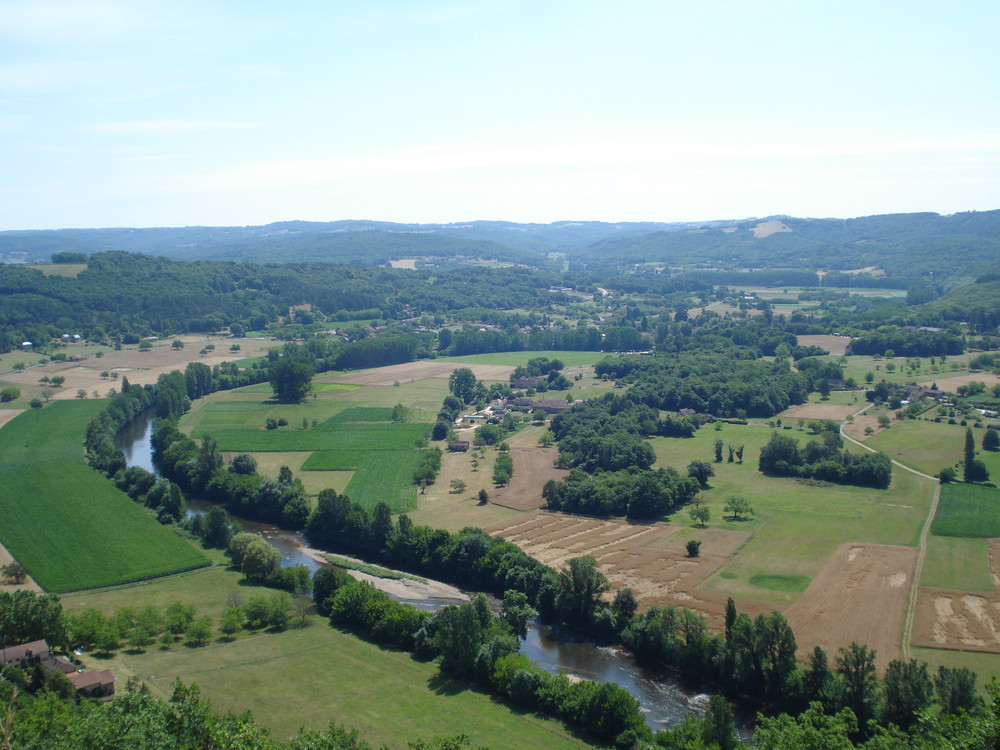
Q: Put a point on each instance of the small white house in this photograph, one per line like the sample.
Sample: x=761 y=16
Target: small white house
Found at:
x=26 y=345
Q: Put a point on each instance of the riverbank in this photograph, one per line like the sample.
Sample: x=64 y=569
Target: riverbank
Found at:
x=399 y=588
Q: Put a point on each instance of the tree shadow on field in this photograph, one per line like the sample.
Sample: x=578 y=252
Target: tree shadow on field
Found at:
x=445 y=685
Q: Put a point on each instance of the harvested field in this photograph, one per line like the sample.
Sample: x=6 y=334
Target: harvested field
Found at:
x=860 y=595
x=964 y=620
x=408 y=371
x=951 y=384
x=834 y=412
x=533 y=467
x=648 y=558
x=856 y=429
x=8 y=414
x=834 y=344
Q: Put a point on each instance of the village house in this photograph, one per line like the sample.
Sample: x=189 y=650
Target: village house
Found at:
x=27 y=656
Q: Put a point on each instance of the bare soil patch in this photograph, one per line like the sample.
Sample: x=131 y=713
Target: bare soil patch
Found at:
x=410 y=371
x=649 y=558
x=533 y=467
x=767 y=228
x=964 y=620
x=951 y=384
x=409 y=263
x=8 y=414
x=856 y=429
x=860 y=595
x=833 y=344
x=835 y=412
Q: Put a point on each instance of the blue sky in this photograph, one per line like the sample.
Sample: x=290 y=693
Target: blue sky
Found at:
x=148 y=113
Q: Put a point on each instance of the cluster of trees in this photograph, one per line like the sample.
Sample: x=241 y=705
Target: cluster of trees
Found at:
x=198 y=468
x=757 y=657
x=503 y=469
x=428 y=468
x=137 y=720
x=973 y=469
x=825 y=460
x=473 y=643
x=710 y=383
x=608 y=433
x=607 y=338
x=644 y=494
x=894 y=341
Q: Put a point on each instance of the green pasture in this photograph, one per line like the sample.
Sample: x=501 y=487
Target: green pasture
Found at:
x=797 y=524
x=66 y=523
x=926 y=446
x=354 y=448
x=329 y=436
x=956 y=563
x=967 y=510
x=513 y=359
x=315 y=670
x=379 y=475
x=207 y=589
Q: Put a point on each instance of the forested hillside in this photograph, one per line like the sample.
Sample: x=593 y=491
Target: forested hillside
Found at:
x=911 y=249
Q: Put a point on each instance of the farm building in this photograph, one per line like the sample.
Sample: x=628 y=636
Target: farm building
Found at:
x=94 y=684
x=458 y=446
x=27 y=656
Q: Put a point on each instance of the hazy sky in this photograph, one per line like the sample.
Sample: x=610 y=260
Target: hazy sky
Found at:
x=149 y=113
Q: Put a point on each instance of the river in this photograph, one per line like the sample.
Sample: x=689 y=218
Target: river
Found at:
x=664 y=699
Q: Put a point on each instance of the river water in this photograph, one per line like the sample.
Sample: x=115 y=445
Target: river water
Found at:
x=664 y=699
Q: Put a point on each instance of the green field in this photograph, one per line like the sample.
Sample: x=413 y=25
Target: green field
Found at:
x=329 y=436
x=379 y=475
x=797 y=525
x=354 y=448
x=306 y=677
x=967 y=510
x=926 y=446
x=956 y=563
x=67 y=524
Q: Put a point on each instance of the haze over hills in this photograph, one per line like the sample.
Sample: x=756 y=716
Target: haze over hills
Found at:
x=916 y=248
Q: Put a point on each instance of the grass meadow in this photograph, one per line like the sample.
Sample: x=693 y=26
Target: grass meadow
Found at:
x=796 y=525
x=315 y=670
x=66 y=523
x=931 y=446
x=967 y=510
x=956 y=563
x=354 y=448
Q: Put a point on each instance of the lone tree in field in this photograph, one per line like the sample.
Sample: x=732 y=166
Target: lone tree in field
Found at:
x=693 y=547
x=14 y=572
x=991 y=440
x=738 y=505
x=457 y=486
x=290 y=379
x=700 y=515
